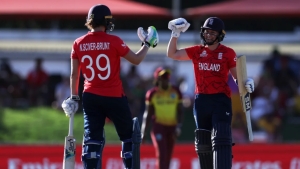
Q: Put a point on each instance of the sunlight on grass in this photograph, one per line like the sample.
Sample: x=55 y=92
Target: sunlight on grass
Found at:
x=43 y=125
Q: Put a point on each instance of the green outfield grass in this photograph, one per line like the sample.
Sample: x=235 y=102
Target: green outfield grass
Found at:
x=42 y=125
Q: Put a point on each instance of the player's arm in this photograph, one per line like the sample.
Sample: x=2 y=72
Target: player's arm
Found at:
x=174 y=53
x=74 y=77
x=138 y=57
x=70 y=105
x=149 y=112
x=177 y=26
x=233 y=73
x=249 y=84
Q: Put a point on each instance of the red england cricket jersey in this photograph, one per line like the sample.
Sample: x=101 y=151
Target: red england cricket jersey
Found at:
x=99 y=55
x=211 y=68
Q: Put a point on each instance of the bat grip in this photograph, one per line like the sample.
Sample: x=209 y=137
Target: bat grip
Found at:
x=249 y=126
x=71 y=124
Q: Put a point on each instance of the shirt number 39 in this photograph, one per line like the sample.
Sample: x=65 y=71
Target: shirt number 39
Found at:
x=92 y=68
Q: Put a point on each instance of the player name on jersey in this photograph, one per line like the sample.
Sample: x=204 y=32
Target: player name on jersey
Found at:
x=94 y=46
x=209 y=66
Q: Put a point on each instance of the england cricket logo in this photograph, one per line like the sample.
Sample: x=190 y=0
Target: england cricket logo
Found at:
x=220 y=55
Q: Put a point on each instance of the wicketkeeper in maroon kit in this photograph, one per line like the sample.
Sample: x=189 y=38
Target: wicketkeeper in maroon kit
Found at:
x=98 y=56
x=212 y=62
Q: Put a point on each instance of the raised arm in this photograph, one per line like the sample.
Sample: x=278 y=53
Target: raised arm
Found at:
x=174 y=53
x=177 y=26
x=138 y=57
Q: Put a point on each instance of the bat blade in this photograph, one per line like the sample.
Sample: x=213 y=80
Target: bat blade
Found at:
x=249 y=126
x=244 y=95
x=69 y=148
x=69 y=153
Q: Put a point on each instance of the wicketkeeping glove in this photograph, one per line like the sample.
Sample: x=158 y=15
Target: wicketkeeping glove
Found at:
x=70 y=105
x=178 y=25
x=249 y=85
x=149 y=39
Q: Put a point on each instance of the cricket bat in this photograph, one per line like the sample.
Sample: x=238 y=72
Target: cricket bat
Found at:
x=69 y=147
x=241 y=68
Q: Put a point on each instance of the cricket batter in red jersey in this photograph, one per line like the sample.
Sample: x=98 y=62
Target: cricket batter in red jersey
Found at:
x=212 y=62
x=97 y=55
x=164 y=108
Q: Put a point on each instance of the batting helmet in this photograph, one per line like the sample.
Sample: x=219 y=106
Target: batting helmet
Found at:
x=101 y=15
x=216 y=24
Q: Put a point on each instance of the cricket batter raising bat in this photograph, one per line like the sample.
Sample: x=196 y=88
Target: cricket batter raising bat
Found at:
x=97 y=55
x=212 y=62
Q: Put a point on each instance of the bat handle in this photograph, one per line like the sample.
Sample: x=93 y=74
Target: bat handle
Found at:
x=71 y=124
x=249 y=126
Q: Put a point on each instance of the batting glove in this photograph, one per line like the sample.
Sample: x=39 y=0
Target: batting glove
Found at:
x=249 y=85
x=70 y=105
x=178 y=25
x=149 y=39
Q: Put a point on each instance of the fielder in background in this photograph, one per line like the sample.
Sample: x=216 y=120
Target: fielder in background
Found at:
x=97 y=55
x=164 y=108
x=212 y=62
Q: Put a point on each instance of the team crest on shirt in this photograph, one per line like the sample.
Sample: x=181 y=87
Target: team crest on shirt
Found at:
x=220 y=55
x=203 y=54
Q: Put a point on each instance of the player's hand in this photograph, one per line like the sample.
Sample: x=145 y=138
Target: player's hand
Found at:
x=249 y=85
x=70 y=105
x=149 y=39
x=178 y=25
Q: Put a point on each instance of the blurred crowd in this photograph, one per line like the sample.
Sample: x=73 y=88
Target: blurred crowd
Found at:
x=275 y=102
x=39 y=88
x=18 y=92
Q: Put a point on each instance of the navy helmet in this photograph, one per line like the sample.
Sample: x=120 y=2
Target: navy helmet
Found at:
x=101 y=15
x=216 y=24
